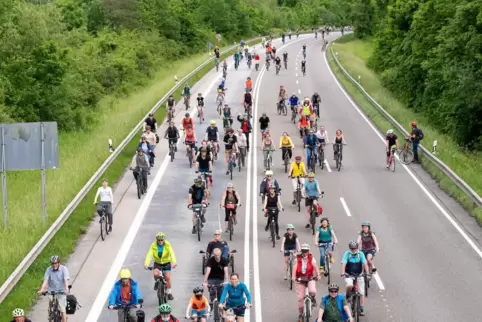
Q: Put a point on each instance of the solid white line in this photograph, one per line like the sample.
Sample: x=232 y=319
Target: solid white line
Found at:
x=116 y=266
x=345 y=206
x=327 y=165
x=429 y=195
x=247 y=252
x=379 y=281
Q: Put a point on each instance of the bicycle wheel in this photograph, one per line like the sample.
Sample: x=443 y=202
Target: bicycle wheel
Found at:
x=298 y=199
x=102 y=235
x=279 y=109
x=406 y=156
x=203 y=264
x=338 y=162
x=286 y=163
x=217 y=316
x=285 y=110
x=327 y=268
x=172 y=153
x=313 y=165
x=231 y=171
x=356 y=308
x=190 y=159
x=230 y=228
x=231 y=263
x=271 y=228
x=161 y=293
x=139 y=186
x=307 y=309
x=290 y=272
x=367 y=284
x=198 y=228
x=392 y=164
x=312 y=221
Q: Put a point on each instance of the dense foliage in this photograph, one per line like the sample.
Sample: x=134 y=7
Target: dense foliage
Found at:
x=59 y=58
x=429 y=53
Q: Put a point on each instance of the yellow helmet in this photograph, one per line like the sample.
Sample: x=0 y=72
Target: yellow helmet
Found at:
x=220 y=90
x=125 y=273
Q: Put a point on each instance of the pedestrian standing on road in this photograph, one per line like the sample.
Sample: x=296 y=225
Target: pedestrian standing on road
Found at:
x=56 y=279
x=416 y=136
x=246 y=127
x=125 y=292
x=106 y=200
x=19 y=316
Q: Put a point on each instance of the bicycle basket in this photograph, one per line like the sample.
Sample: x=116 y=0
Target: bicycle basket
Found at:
x=197 y=208
x=72 y=304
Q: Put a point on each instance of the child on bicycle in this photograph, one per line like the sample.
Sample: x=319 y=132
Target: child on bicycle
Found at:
x=198 y=308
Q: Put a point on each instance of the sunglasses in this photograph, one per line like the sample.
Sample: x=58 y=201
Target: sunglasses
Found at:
x=217 y=234
x=333 y=291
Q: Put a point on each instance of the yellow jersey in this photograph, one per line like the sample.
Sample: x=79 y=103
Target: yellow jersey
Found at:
x=285 y=142
x=298 y=170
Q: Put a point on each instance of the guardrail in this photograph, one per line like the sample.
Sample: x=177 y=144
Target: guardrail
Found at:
x=442 y=166
x=13 y=279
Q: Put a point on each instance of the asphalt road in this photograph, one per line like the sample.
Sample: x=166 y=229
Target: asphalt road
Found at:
x=423 y=257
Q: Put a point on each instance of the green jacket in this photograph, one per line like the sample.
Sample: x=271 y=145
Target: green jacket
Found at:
x=168 y=255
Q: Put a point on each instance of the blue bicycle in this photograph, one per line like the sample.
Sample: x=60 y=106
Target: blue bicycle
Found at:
x=231 y=164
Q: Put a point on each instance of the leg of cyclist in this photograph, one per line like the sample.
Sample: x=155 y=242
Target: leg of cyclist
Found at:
x=265 y=157
x=294 y=183
x=322 y=258
x=167 y=275
x=227 y=154
x=226 y=220
x=312 y=291
x=388 y=158
x=308 y=156
x=300 y=294
x=307 y=211
x=275 y=216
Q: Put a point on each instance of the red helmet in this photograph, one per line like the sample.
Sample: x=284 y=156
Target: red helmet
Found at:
x=298 y=158
x=413 y=124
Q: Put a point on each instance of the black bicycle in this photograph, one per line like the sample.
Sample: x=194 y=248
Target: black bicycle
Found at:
x=339 y=155
x=172 y=149
x=286 y=159
x=213 y=295
x=303 y=70
x=104 y=230
x=198 y=210
x=126 y=308
x=327 y=273
x=278 y=67
x=282 y=108
x=272 y=212
x=354 y=296
x=313 y=212
x=141 y=181
x=54 y=314
x=312 y=160
x=160 y=284
x=321 y=155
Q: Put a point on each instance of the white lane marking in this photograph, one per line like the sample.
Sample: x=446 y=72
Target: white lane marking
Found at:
x=327 y=166
x=256 y=279
x=345 y=206
x=296 y=68
x=296 y=74
x=111 y=277
x=297 y=82
x=377 y=278
x=417 y=181
x=299 y=91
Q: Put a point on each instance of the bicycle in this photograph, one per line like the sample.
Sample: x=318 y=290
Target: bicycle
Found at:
x=339 y=155
x=230 y=314
x=286 y=64
x=293 y=114
x=298 y=193
x=391 y=158
x=312 y=160
x=225 y=72
x=200 y=113
x=272 y=211
x=249 y=63
x=256 y=66
x=186 y=102
x=278 y=67
x=213 y=295
x=126 y=309
x=160 y=284
x=198 y=209
x=313 y=213
x=172 y=149
x=247 y=110
x=141 y=181
x=286 y=159
x=267 y=65
x=321 y=155
x=220 y=101
x=242 y=157
x=307 y=302
x=190 y=152
x=282 y=108
x=170 y=114
x=231 y=164
x=231 y=222
x=214 y=148
x=327 y=273
x=290 y=267
x=104 y=230
x=406 y=156
x=304 y=54
x=268 y=160
x=354 y=297
x=303 y=70
x=53 y=311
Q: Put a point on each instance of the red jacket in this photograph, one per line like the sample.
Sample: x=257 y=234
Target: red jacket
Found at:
x=309 y=267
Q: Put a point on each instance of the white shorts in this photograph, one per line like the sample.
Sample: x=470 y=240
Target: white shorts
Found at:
x=62 y=301
x=294 y=183
x=361 y=284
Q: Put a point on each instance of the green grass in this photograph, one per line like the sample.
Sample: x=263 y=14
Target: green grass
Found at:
x=353 y=55
x=81 y=154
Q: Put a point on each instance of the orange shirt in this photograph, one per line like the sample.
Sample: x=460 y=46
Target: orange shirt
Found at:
x=303 y=123
x=198 y=305
x=249 y=84
x=126 y=294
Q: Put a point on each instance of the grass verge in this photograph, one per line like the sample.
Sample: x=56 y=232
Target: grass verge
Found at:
x=353 y=55
x=124 y=115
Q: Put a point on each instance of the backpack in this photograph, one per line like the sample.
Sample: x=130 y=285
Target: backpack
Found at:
x=357 y=255
x=420 y=135
x=72 y=304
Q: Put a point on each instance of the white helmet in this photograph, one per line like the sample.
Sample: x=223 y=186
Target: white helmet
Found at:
x=305 y=247
x=18 y=313
x=269 y=173
x=390 y=131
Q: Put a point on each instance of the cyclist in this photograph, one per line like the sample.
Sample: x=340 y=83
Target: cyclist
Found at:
x=282 y=94
x=216 y=272
x=204 y=164
x=227 y=115
x=150 y=136
x=164 y=258
x=391 y=140
x=230 y=147
x=303 y=66
x=198 y=194
x=304 y=274
x=222 y=86
x=218 y=242
x=140 y=164
x=186 y=121
x=273 y=55
x=263 y=124
x=263 y=41
x=416 y=136
x=237 y=58
x=237 y=294
x=272 y=200
x=248 y=100
x=249 y=58
x=285 y=57
x=322 y=136
x=297 y=170
x=325 y=234
x=289 y=33
x=242 y=141
x=165 y=314
x=353 y=264
x=200 y=106
x=286 y=145
x=249 y=85
x=310 y=192
x=230 y=200
x=212 y=134
x=148 y=149
x=316 y=100
x=334 y=307
x=217 y=53
x=267 y=181
x=306 y=108
x=369 y=244
x=125 y=292
x=303 y=126
x=106 y=199
x=190 y=139
x=198 y=307
x=310 y=145
x=56 y=279
x=304 y=50
x=209 y=149
x=294 y=102
x=186 y=92
x=246 y=127
x=283 y=38
x=171 y=102
x=152 y=122
x=225 y=67
x=289 y=243
x=338 y=139
x=19 y=316
x=256 y=60
x=267 y=146
x=172 y=134
x=278 y=62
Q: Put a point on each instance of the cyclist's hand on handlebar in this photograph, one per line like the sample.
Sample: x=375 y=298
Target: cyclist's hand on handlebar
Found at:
x=110 y=307
x=146 y=267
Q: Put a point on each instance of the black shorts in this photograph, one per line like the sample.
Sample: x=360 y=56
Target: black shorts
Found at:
x=166 y=268
x=227 y=211
x=309 y=201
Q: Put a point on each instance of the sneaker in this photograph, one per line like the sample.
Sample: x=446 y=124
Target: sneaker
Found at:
x=156 y=285
x=362 y=312
x=193 y=230
x=278 y=237
x=110 y=230
x=286 y=277
x=313 y=301
x=307 y=226
x=203 y=219
x=266 y=228
x=170 y=297
x=388 y=166
x=322 y=269
x=293 y=202
x=332 y=260
x=227 y=172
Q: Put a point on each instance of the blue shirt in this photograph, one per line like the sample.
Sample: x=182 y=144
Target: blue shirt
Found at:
x=160 y=250
x=235 y=295
x=227 y=112
x=115 y=294
x=311 y=188
x=354 y=258
x=311 y=140
x=294 y=101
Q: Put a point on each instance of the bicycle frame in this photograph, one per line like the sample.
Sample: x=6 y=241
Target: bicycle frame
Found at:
x=161 y=286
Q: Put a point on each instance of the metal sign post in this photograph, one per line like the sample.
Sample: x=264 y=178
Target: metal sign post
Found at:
x=42 y=173
x=4 y=183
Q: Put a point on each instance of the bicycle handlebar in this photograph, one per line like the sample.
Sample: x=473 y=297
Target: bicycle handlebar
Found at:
x=53 y=293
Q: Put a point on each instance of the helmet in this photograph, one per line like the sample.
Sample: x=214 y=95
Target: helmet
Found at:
x=294 y=94
x=197 y=289
x=281 y=86
x=186 y=115
x=305 y=247
x=366 y=223
x=125 y=273
x=264 y=114
x=353 y=245
x=160 y=236
x=290 y=226
x=164 y=308
x=333 y=287
x=268 y=173
x=390 y=131
x=298 y=158
x=203 y=150
x=230 y=185
x=197 y=180
x=186 y=84
x=413 y=124
x=212 y=122
x=249 y=78
x=311 y=175
x=18 y=313
x=140 y=150
x=199 y=94
x=54 y=259
x=272 y=186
